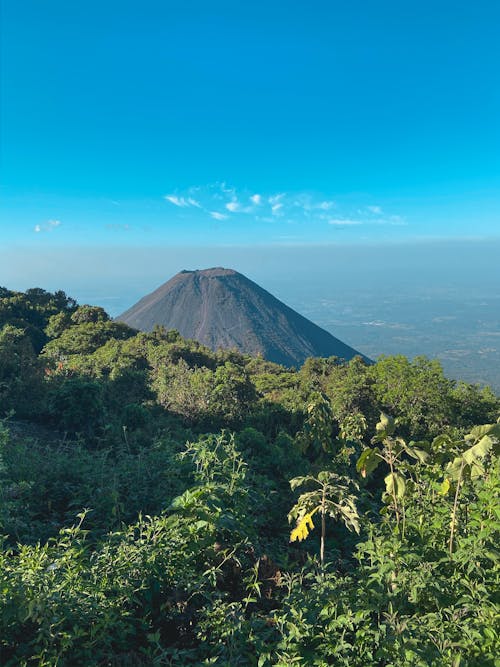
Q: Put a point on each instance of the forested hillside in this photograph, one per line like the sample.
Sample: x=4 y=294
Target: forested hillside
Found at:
x=164 y=504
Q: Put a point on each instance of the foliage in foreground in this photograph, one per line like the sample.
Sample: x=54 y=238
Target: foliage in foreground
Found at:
x=147 y=485
x=193 y=586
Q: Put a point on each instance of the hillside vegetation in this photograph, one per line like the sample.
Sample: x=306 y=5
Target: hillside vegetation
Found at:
x=164 y=504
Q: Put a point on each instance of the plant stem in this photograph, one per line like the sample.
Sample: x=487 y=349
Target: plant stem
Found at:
x=323 y=530
x=394 y=497
x=455 y=506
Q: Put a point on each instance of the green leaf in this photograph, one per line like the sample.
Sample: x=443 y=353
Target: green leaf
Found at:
x=395 y=483
x=368 y=462
x=386 y=424
x=472 y=457
x=441 y=440
x=453 y=468
x=417 y=453
x=478 y=451
x=186 y=499
x=298 y=481
x=486 y=429
x=491 y=555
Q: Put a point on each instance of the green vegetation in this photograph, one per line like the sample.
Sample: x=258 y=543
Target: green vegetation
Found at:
x=147 y=487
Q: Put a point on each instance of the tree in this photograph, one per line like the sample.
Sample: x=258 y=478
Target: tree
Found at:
x=417 y=391
x=86 y=338
x=330 y=496
x=350 y=389
x=20 y=373
x=392 y=451
x=86 y=313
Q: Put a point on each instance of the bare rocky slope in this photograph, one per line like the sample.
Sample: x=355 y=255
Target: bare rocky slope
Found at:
x=221 y=308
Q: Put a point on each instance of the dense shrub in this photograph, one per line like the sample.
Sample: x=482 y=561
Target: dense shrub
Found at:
x=161 y=504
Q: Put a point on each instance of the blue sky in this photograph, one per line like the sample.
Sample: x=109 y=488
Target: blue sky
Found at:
x=167 y=123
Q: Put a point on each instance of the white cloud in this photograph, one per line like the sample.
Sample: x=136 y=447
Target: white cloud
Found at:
x=274 y=199
x=225 y=188
x=218 y=216
x=397 y=220
x=177 y=201
x=182 y=202
x=236 y=207
x=339 y=221
x=310 y=205
x=221 y=201
x=47 y=226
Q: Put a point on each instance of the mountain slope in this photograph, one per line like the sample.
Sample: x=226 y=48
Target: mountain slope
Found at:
x=222 y=308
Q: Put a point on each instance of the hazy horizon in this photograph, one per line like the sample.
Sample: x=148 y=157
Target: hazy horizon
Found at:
x=438 y=299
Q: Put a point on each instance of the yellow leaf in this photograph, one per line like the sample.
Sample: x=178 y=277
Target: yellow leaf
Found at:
x=301 y=530
x=445 y=487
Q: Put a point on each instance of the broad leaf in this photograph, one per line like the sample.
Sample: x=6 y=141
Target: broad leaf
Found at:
x=298 y=481
x=453 y=468
x=478 y=451
x=386 y=424
x=486 y=429
x=417 y=453
x=368 y=462
x=304 y=525
x=395 y=484
x=444 y=487
x=441 y=440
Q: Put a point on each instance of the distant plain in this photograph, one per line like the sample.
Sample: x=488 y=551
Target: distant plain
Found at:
x=434 y=298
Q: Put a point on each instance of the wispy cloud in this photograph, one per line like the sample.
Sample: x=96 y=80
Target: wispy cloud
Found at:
x=182 y=202
x=275 y=199
x=218 y=216
x=344 y=222
x=221 y=201
x=309 y=203
x=48 y=226
x=177 y=201
x=396 y=220
x=349 y=222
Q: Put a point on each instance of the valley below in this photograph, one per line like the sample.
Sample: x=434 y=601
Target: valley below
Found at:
x=463 y=333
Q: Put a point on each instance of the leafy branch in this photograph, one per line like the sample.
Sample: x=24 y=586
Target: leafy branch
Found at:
x=391 y=451
x=331 y=496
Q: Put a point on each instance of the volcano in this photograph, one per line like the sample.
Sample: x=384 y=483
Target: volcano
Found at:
x=222 y=308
